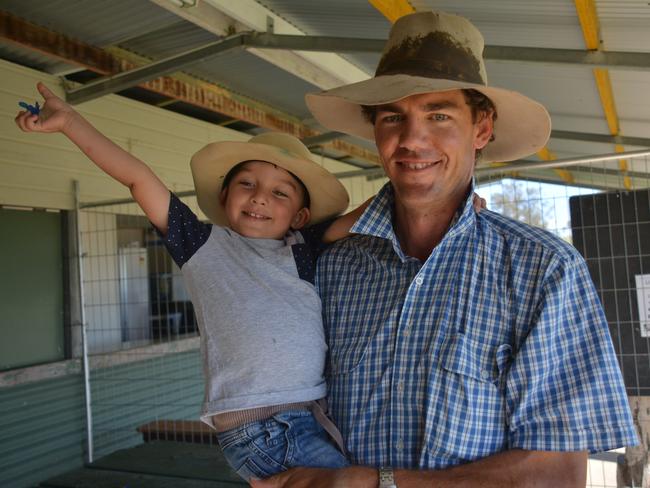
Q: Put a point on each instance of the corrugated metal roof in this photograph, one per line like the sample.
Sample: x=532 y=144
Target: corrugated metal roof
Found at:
x=624 y=24
x=33 y=59
x=99 y=23
x=247 y=74
x=337 y=18
x=533 y=23
x=568 y=91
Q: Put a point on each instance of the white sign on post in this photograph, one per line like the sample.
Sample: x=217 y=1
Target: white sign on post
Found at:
x=643 y=298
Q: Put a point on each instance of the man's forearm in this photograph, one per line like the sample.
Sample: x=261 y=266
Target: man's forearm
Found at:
x=515 y=468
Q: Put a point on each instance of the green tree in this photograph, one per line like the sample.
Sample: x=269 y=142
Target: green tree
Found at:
x=520 y=201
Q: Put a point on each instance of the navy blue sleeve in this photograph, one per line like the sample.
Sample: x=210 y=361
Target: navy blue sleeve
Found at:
x=313 y=235
x=185 y=232
x=306 y=254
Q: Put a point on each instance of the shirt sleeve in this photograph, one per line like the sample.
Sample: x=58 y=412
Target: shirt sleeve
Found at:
x=307 y=253
x=185 y=232
x=564 y=389
x=313 y=235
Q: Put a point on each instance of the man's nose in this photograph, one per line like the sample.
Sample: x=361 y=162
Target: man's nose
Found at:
x=413 y=134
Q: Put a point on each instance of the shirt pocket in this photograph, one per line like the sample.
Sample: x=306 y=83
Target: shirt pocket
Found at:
x=347 y=351
x=475 y=359
x=467 y=413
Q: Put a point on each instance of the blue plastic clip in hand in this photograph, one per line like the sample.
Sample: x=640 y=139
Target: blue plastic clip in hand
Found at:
x=34 y=109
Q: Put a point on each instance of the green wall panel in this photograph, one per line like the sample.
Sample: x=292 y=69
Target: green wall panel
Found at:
x=43 y=424
x=31 y=288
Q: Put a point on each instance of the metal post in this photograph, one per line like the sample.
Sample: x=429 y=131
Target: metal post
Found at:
x=84 y=339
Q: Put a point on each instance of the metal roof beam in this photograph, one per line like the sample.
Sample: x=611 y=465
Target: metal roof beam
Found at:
x=602 y=138
x=156 y=69
x=171 y=64
x=601 y=59
x=523 y=165
x=211 y=19
x=612 y=59
x=321 y=138
x=323 y=69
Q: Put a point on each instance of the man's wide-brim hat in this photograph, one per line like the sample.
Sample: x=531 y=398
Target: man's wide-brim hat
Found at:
x=430 y=52
x=213 y=162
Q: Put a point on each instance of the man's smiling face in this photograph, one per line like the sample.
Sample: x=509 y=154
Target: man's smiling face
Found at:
x=427 y=144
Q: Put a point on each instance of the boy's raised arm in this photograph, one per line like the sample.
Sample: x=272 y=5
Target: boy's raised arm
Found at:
x=147 y=189
x=340 y=228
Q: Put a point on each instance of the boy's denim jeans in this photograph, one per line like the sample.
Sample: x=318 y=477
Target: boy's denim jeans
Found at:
x=286 y=440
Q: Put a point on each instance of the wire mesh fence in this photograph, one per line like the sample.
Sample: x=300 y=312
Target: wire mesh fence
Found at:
x=143 y=346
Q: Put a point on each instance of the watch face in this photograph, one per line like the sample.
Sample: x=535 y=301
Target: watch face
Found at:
x=386 y=479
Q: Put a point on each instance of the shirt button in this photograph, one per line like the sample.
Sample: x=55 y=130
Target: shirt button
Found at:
x=485 y=374
x=400 y=444
x=400 y=386
x=407 y=331
x=419 y=280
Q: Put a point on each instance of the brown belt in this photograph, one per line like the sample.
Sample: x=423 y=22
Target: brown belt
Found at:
x=230 y=420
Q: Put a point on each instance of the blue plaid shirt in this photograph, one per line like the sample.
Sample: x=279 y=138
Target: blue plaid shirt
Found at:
x=497 y=341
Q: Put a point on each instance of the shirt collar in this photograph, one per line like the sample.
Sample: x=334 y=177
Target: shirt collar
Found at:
x=377 y=219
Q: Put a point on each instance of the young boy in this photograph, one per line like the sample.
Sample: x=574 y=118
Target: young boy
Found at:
x=250 y=275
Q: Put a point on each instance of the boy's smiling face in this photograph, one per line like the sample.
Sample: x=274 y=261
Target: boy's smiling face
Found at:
x=264 y=201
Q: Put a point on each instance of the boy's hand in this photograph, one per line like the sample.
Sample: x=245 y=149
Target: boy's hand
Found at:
x=54 y=116
x=479 y=203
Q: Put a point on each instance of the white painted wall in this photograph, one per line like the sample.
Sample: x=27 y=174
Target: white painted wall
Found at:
x=37 y=170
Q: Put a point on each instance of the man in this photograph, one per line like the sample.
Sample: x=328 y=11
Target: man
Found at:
x=465 y=349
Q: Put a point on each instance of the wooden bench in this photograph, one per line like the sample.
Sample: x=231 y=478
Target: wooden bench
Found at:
x=193 y=431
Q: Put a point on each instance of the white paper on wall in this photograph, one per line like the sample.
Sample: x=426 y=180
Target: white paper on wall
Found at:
x=643 y=299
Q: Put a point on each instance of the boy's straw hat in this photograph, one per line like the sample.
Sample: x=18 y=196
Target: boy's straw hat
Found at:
x=429 y=52
x=211 y=164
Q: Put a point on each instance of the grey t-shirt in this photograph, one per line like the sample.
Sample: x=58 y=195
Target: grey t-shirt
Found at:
x=258 y=312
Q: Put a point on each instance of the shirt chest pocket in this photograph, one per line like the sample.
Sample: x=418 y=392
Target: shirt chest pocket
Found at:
x=468 y=415
x=345 y=355
x=474 y=359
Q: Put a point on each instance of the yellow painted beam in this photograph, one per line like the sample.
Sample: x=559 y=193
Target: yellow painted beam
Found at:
x=393 y=9
x=588 y=17
x=546 y=155
x=622 y=164
x=604 y=85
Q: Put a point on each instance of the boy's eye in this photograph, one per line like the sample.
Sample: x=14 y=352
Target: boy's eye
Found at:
x=281 y=194
x=245 y=183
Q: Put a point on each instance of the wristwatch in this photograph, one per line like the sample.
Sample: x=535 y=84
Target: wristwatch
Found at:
x=386 y=478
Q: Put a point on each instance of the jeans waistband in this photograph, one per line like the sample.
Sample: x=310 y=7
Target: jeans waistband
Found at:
x=230 y=420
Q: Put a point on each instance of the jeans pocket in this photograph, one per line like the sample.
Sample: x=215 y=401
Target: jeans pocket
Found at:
x=255 y=469
x=257 y=450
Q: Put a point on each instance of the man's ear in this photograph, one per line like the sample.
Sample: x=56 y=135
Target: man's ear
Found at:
x=484 y=128
x=301 y=218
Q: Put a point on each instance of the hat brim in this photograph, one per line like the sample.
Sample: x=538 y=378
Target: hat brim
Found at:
x=211 y=164
x=523 y=125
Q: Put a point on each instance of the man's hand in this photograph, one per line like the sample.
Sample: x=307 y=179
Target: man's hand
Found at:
x=352 y=477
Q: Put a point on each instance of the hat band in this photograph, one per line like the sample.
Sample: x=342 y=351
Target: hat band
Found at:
x=435 y=55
